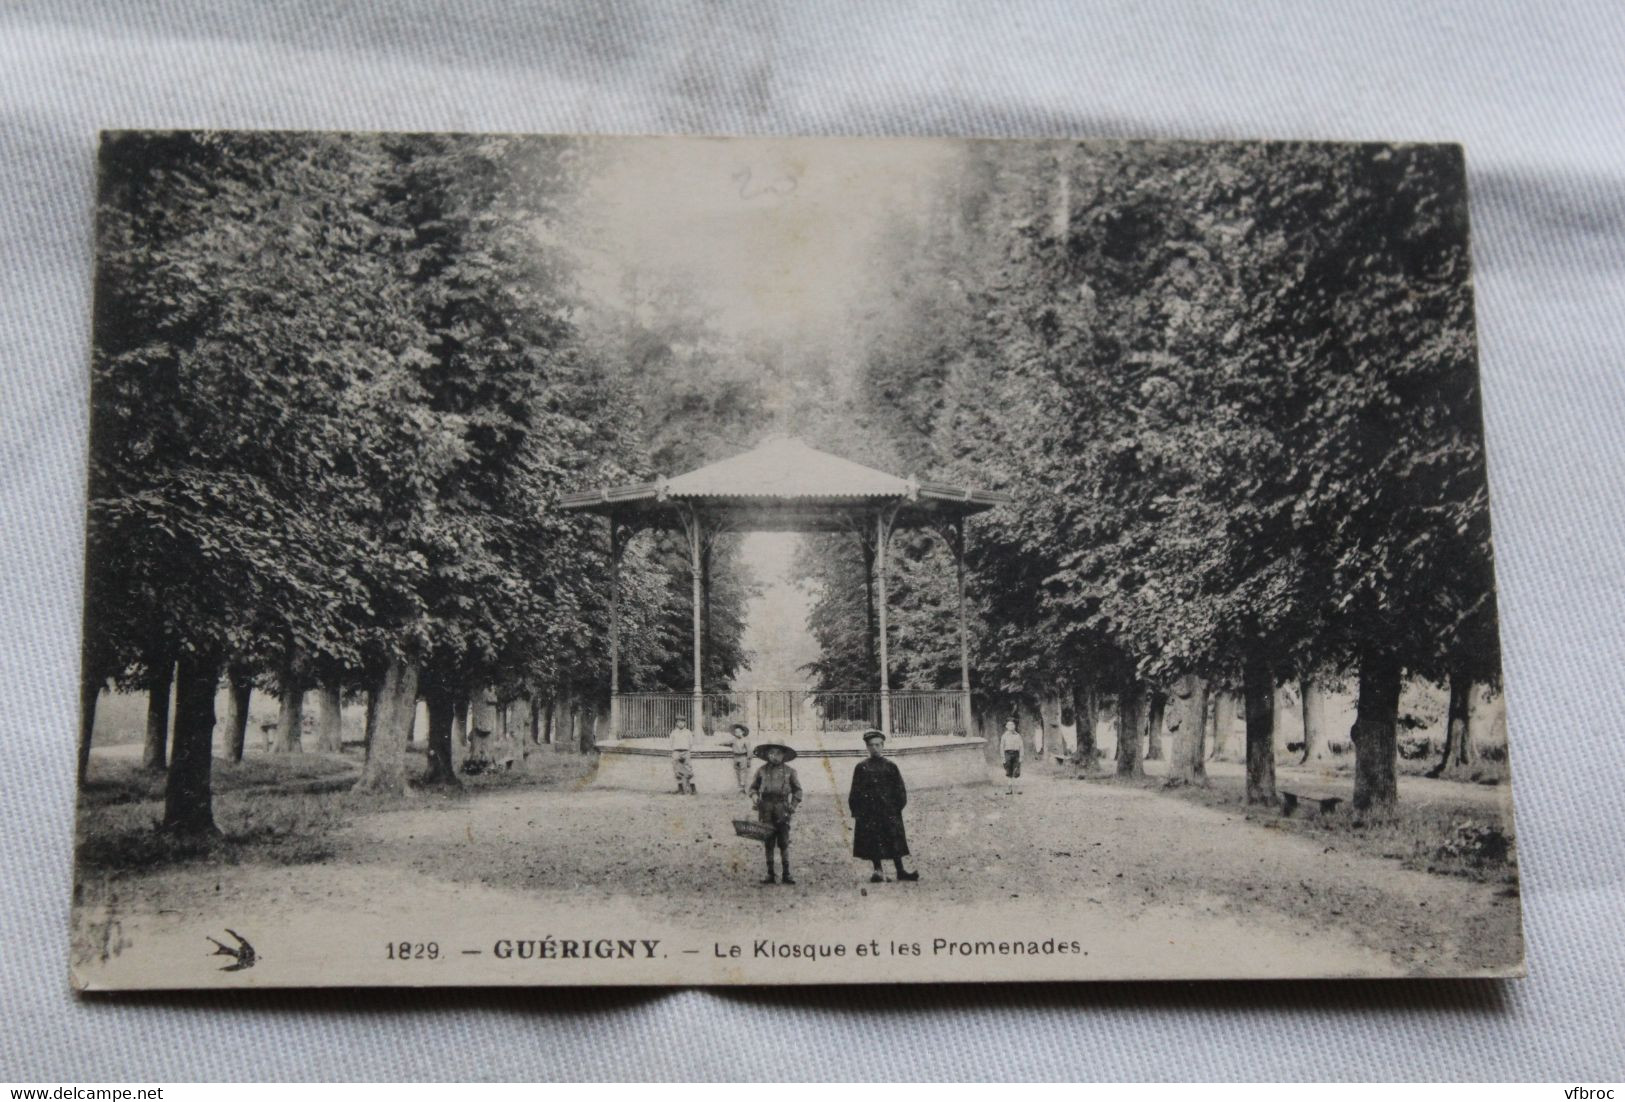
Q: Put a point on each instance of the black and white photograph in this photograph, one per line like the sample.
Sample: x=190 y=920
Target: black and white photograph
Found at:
x=567 y=560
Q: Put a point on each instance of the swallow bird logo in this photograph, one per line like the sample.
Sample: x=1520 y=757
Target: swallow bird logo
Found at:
x=242 y=956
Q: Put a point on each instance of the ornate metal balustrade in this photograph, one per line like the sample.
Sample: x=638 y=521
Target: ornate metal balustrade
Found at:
x=783 y=713
x=653 y=715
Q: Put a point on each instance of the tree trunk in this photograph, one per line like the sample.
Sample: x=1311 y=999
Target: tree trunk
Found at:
x=90 y=692
x=558 y=712
x=535 y=720
x=1281 y=700
x=1458 y=734
x=240 y=692
x=384 y=767
x=1376 y=734
x=370 y=723
x=1221 y=730
x=1187 y=722
x=513 y=729
x=561 y=720
x=589 y=727
x=482 y=713
x=187 y=804
x=1047 y=743
x=1311 y=724
x=442 y=706
x=1086 y=714
x=1153 y=726
x=459 y=720
x=330 y=722
x=1461 y=708
x=1258 y=690
x=1130 y=721
x=290 y=718
x=155 y=749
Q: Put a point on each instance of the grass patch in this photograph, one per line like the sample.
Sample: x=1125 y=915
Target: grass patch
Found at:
x=125 y=781
x=544 y=767
x=1489 y=766
x=1446 y=837
x=291 y=829
x=285 y=810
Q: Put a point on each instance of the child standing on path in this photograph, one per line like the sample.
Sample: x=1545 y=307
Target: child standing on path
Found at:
x=682 y=746
x=1010 y=744
x=776 y=792
x=740 y=744
x=876 y=802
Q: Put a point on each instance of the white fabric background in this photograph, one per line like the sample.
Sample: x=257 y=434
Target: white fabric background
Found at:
x=1534 y=90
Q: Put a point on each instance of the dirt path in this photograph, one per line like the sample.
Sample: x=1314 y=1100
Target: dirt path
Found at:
x=1143 y=879
x=1430 y=924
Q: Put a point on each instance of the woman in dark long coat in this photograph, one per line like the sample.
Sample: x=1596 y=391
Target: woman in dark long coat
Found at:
x=877 y=800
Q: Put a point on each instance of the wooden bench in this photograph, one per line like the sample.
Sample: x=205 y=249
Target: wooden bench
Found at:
x=1325 y=801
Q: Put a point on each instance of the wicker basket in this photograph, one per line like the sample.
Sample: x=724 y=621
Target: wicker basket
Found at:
x=750 y=828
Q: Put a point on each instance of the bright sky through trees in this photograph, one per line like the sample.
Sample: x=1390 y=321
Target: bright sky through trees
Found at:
x=773 y=235
x=776 y=242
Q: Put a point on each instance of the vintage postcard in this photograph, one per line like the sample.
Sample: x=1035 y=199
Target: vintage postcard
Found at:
x=564 y=560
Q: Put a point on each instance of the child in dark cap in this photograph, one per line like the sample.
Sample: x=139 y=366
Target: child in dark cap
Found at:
x=876 y=801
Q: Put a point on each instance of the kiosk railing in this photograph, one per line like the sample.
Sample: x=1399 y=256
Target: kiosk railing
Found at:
x=781 y=713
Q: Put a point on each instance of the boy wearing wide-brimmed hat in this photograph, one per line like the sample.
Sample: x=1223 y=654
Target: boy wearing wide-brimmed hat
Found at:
x=876 y=801
x=776 y=793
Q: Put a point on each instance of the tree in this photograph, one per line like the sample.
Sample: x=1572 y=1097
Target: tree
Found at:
x=290 y=720
x=330 y=719
x=241 y=684
x=234 y=442
x=1187 y=721
x=187 y=805
x=1085 y=706
x=1396 y=500
x=154 y=749
x=1258 y=694
x=384 y=767
x=1130 y=722
x=1259 y=451
x=1156 y=713
x=1457 y=753
x=508 y=587
x=90 y=689
x=1307 y=694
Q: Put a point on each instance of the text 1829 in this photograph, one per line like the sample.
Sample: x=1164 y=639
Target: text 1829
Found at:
x=413 y=950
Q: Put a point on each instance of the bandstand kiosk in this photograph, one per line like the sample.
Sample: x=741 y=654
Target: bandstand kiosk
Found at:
x=783 y=485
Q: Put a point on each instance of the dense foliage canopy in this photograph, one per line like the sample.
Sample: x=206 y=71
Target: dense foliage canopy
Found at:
x=1233 y=388
x=340 y=382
